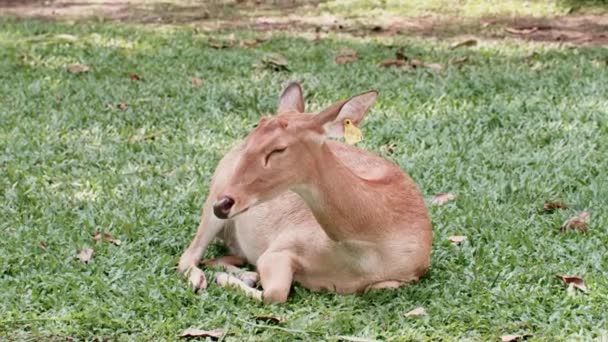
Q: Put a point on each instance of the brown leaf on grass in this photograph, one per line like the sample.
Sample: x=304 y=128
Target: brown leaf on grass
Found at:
x=355 y=339
x=400 y=55
x=85 y=255
x=578 y=222
x=434 y=66
x=552 y=206
x=273 y=61
x=68 y=38
x=135 y=77
x=78 y=68
x=269 y=319
x=456 y=240
x=388 y=148
x=198 y=333
x=249 y=42
x=150 y=136
x=346 y=55
x=221 y=44
x=419 y=311
x=195 y=81
x=512 y=338
x=266 y=37
x=523 y=30
x=460 y=61
x=574 y=281
x=42 y=244
x=123 y=106
x=389 y=63
x=233 y=260
x=99 y=236
x=442 y=198
x=468 y=42
x=197 y=278
x=416 y=63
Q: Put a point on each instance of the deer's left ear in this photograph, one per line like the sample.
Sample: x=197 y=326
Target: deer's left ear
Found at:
x=291 y=98
x=354 y=109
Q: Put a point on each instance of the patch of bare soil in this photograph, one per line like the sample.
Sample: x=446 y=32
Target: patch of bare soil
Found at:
x=258 y=15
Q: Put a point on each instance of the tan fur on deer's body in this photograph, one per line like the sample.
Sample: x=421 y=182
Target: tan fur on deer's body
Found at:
x=347 y=221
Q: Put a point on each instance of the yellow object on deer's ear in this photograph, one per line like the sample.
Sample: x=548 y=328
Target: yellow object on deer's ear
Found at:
x=352 y=134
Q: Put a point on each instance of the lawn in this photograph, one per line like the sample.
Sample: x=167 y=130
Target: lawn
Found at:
x=514 y=126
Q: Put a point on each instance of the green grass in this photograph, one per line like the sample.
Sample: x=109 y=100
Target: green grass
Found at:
x=505 y=133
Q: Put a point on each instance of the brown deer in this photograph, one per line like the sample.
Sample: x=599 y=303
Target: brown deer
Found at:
x=306 y=208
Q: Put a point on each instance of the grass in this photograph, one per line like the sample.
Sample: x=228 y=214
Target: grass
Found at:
x=506 y=132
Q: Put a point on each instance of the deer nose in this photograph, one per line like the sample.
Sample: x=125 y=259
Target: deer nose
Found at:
x=221 y=207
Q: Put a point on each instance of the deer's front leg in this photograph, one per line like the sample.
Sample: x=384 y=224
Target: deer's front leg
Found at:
x=208 y=228
x=276 y=271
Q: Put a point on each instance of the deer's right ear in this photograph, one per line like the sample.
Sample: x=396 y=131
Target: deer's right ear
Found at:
x=291 y=99
x=333 y=118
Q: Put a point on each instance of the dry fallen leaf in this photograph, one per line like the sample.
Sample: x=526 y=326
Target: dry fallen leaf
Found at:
x=442 y=198
x=78 y=68
x=85 y=255
x=42 y=244
x=68 y=38
x=123 y=105
x=346 y=55
x=400 y=55
x=434 y=66
x=419 y=311
x=524 y=31
x=269 y=319
x=577 y=222
x=573 y=281
x=388 y=148
x=150 y=136
x=197 y=278
x=99 y=236
x=416 y=63
x=195 y=81
x=197 y=333
x=273 y=61
x=223 y=43
x=355 y=339
x=389 y=63
x=249 y=42
x=233 y=260
x=460 y=61
x=552 y=206
x=511 y=338
x=135 y=77
x=468 y=42
x=457 y=239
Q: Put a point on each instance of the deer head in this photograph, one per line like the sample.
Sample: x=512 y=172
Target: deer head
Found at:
x=283 y=151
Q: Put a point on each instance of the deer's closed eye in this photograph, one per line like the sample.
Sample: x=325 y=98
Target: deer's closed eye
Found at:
x=274 y=152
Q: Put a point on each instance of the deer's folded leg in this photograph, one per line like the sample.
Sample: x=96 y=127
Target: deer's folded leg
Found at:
x=276 y=274
x=228 y=280
x=229 y=263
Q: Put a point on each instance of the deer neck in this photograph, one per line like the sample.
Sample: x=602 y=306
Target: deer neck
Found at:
x=346 y=206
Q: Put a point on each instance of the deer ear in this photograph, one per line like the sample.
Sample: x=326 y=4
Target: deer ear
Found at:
x=291 y=98
x=354 y=109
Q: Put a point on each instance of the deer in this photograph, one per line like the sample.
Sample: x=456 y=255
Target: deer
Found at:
x=304 y=207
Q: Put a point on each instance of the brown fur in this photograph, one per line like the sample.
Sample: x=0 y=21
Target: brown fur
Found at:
x=324 y=214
